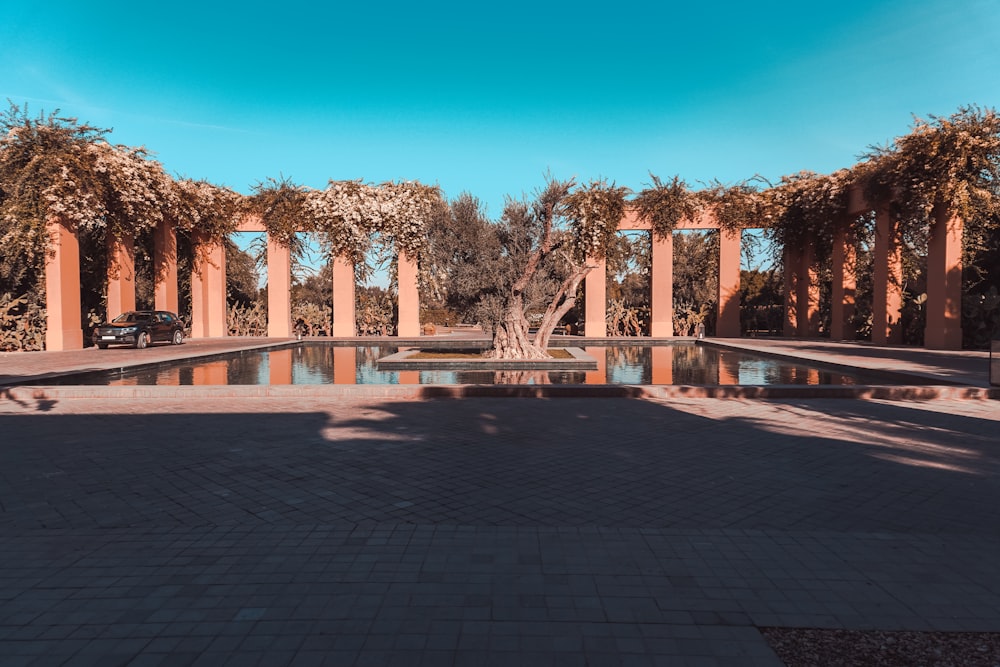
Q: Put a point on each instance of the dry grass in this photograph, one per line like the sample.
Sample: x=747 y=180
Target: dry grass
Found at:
x=458 y=355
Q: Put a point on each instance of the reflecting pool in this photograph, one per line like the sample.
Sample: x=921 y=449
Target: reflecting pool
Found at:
x=313 y=363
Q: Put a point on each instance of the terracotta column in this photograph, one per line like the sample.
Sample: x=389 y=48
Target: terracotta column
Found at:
x=790 y=273
x=343 y=298
x=595 y=300
x=944 y=281
x=121 y=275
x=887 y=281
x=165 y=267
x=64 y=330
x=408 y=306
x=662 y=289
x=842 y=297
x=727 y=323
x=807 y=294
x=279 y=285
x=208 y=289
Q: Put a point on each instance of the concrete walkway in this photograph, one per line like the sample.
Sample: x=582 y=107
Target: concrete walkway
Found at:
x=310 y=531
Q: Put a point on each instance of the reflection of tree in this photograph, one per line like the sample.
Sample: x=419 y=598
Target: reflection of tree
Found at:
x=694 y=364
x=521 y=377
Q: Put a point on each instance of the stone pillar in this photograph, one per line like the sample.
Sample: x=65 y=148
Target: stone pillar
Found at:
x=64 y=329
x=661 y=305
x=279 y=285
x=121 y=275
x=408 y=304
x=844 y=286
x=944 y=281
x=165 y=267
x=343 y=298
x=887 y=281
x=208 y=289
x=727 y=324
x=790 y=274
x=807 y=294
x=595 y=300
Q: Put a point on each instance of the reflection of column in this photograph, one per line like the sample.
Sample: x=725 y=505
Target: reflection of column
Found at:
x=165 y=267
x=944 y=281
x=409 y=377
x=595 y=300
x=887 y=279
x=208 y=289
x=600 y=376
x=279 y=285
x=64 y=329
x=844 y=262
x=169 y=377
x=663 y=364
x=409 y=298
x=279 y=367
x=343 y=297
x=729 y=370
x=662 y=290
x=121 y=275
x=212 y=373
x=345 y=365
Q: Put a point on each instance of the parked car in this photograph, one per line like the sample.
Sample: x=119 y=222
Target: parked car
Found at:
x=139 y=328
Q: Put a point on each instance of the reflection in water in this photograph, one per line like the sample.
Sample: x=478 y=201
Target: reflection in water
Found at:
x=328 y=364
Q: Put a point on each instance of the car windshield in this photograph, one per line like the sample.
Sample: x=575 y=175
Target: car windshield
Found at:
x=126 y=318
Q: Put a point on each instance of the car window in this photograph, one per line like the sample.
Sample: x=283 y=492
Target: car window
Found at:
x=125 y=317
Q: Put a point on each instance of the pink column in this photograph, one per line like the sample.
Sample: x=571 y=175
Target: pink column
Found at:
x=662 y=289
x=887 y=282
x=279 y=285
x=165 y=267
x=807 y=294
x=844 y=286
x=343 y=298
x=409 y=298
x=595 y=300
x=944 y=281
x=208 y=289
x=728 y=320
x=64 y=329
x=121 y=275
x=793 y=264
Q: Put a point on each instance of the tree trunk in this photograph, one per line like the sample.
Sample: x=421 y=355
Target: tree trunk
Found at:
x=510 y=336
x=557 y=310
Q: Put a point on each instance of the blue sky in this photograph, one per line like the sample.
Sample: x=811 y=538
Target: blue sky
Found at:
x=487 y=97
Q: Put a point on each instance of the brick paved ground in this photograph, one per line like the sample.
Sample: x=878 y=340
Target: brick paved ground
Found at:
x=305 y=531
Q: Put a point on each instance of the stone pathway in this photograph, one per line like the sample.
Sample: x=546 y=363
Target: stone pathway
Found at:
x=310 y=531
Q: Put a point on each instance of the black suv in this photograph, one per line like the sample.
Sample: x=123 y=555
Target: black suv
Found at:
x=139 y=328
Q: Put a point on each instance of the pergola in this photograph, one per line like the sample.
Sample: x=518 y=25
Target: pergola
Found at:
x=208 y=282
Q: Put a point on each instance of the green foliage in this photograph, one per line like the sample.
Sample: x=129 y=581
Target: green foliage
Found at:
x=247 y=319
x=22 y=324
x=666 y=204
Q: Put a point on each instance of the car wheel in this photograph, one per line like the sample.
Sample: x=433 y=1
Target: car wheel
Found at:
x=141 y=340
x=178 y=337
x=102 y=346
